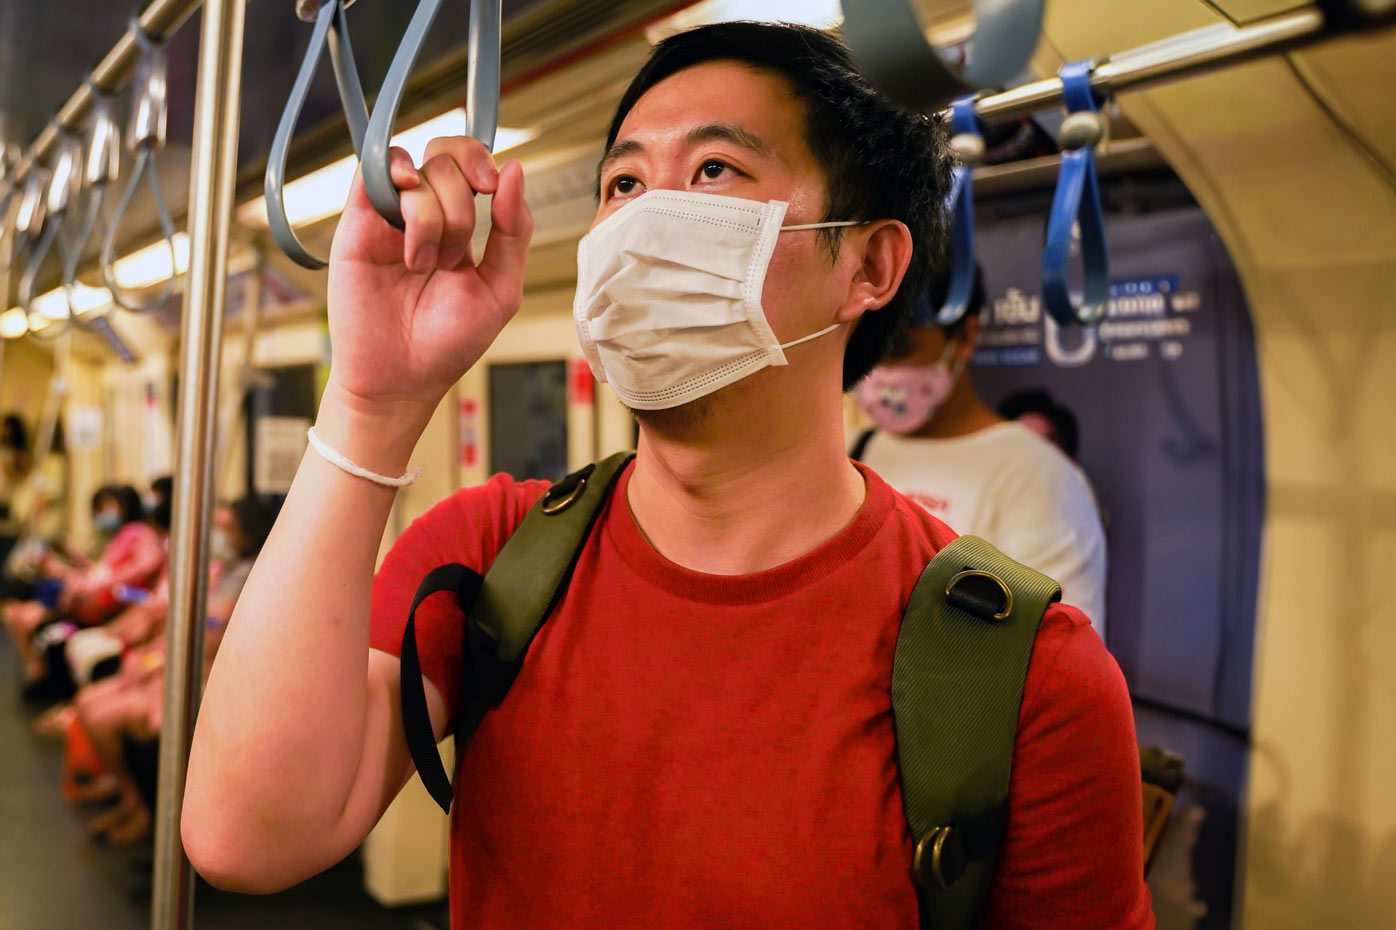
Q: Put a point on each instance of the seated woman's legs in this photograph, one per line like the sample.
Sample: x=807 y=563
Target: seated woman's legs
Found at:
x=109 y=711
x=21 y=620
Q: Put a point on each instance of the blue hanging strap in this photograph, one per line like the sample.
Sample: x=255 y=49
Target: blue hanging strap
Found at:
x=1077 y=203
x=332 y=30
x=482 y=96
x=968 y=144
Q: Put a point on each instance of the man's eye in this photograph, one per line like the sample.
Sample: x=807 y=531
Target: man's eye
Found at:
x=713 y=169
x=624 y=185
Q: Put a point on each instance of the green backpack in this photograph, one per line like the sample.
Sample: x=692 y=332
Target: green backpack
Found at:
x=957 y=678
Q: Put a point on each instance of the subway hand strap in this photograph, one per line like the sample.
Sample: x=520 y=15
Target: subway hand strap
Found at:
x=1077 y=204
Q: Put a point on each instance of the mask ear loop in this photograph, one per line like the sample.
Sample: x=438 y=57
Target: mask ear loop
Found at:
x=332 y=29
x=146 y=137
x=65 y=181
x=482 y=96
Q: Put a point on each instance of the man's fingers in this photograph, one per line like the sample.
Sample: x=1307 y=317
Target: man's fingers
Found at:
x=423 y=222
x=511 y=229
x=400 y=168
x=457 y=203
x=475 y=161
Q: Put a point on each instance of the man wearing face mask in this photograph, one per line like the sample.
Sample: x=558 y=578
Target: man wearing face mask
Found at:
x=700 y=734
x=937 y=442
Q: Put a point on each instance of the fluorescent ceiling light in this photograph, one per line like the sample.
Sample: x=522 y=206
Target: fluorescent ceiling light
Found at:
x=324 y=192
x=54 y=305
x=821 y=14
x=13 y=323
x=150 y=265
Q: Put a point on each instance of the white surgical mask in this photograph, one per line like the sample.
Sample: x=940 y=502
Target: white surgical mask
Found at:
x=668 y=305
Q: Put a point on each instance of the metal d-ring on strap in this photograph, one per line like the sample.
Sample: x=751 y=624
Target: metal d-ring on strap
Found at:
x=968 y=145
x=332 y=29
x=482 y=96
x=1077 y=203
x=65 y=181
x=145 y=136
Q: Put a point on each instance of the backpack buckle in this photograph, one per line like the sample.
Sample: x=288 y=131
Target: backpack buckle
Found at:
x=566 y=492
x=973 y=591
x=940 y=859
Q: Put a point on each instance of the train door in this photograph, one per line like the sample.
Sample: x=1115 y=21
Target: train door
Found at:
x=1166 y=395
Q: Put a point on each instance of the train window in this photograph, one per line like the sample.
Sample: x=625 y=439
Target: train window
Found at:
x=528 y=419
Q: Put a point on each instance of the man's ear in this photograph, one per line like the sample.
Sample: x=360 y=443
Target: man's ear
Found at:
x=882 y=250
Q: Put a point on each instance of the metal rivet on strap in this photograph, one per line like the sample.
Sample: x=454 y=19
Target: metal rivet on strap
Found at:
x=551 y=507
x=974 y=573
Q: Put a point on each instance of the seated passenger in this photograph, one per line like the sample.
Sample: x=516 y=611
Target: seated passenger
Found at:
x=38 y=521
x=87 y=590
x=937 y=442
x=129 y=706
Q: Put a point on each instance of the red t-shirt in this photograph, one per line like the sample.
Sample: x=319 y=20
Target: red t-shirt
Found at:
x=683 y=750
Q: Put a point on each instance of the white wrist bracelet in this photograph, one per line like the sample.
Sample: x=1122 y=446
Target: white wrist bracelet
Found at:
x=339 y=461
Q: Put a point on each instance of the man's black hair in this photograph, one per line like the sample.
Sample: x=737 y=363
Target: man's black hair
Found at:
x=163 y=487
x=1065 y=430
x=880 y=161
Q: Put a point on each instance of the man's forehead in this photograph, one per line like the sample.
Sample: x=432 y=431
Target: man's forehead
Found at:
x=719 y=100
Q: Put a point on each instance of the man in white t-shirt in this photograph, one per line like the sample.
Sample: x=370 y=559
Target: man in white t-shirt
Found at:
x=937 y=442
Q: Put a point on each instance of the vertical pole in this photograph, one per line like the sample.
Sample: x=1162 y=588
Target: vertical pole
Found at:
x=212 y=171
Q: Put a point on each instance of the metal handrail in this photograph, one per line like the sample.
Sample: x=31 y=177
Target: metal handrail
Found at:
x=482 y=96
x=332 y=29
x=159 y=20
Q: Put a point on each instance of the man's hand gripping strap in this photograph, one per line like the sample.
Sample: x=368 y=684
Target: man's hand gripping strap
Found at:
x=504 y=611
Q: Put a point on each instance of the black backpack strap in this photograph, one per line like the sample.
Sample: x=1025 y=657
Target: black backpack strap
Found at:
x=504 y=611
x=860 y=445
x=416 y=722
x=957 y=686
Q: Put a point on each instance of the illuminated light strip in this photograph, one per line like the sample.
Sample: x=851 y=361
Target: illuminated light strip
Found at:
x=324 y=192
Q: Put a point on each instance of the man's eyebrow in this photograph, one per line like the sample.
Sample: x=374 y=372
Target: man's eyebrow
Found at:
x=620 y=150
x=730 y=132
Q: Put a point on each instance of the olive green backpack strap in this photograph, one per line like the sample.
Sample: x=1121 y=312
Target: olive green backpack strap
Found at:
x=504 y=611
x=957 y=685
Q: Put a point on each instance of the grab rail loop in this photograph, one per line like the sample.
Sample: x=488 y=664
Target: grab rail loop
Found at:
x=103 y=166
x=145 y=137
x=482 y=96
x=1077 y=204
x=332 y=29
x=64 y=185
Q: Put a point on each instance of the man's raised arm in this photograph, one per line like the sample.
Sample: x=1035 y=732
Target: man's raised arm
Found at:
x=298 y=747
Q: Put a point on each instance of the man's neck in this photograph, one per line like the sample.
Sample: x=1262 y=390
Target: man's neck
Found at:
x=752 y=486
x=964 y=412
